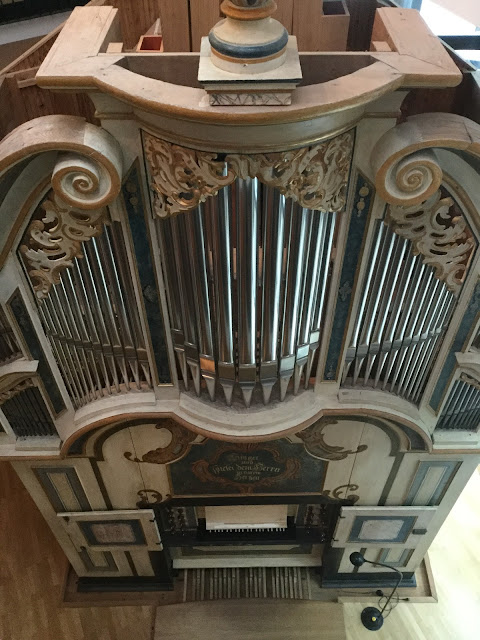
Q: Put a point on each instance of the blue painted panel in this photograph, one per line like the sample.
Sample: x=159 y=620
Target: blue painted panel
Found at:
x=451 y=467
x=135 y=208
x=401 y=562
x=457 y=345
x=407 y=523
x=25 y=325
x=364 y=194
x=131 y=530
x=44 y=475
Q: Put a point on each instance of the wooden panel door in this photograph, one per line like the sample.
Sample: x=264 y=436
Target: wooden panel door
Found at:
x=102 y=539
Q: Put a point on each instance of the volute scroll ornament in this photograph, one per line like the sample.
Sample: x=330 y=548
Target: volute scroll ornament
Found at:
x=407 y=171
x=89 y=168
x=83 y=182
x=412 y=179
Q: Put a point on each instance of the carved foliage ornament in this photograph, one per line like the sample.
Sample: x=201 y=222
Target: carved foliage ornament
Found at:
x=316 y=177
x=179 y=445
x=314 y=442
x=21 y=386
x=52 y=242
x=438 y=232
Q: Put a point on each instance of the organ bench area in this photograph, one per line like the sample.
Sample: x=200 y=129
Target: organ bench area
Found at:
x=240 y=305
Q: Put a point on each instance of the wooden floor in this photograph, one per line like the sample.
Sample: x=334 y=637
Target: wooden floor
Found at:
x=258 y=620
x=32 y=570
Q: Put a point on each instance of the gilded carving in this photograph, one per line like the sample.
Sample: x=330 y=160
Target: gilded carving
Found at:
x=336 y=494
x=147 y=497
x=178 y=446
x=314 y=442
x=469 y=380
x=21 y=386
x=52 y=242
x=182 y=178
x=316 y=177
x=439 y=233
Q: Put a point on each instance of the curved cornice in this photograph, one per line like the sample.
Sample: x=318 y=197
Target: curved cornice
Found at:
x=288 y=417
x=188 y=103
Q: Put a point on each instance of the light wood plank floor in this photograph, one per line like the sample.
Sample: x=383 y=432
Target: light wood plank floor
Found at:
x=455 y=560
x=32 y=570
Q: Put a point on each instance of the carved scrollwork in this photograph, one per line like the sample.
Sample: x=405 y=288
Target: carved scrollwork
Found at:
x=52 y=242
x=412 y=179
x=470 y=380
x=314 y=442
x=148 y=497
x=316 y=177
x=179 y=445
x=406 y=168
x=336 y=494
x=84 y=182
x=182 y=178
x=438 y=232
x=21 y=386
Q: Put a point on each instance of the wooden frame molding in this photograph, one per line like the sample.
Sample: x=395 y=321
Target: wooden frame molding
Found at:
x=76 y=61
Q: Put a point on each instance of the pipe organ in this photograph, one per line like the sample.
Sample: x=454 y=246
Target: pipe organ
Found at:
x=244 y=289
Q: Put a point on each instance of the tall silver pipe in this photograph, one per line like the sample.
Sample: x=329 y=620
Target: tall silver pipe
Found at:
x=273 y=243
x=88 y=272
x=195 y=225
x=394 y=357
x=354 y=355
x=247 y=249
x=223 y=268
x=171 y=277
x=293 y=291
x=186 y=294
x=384 y=304
x=326 y=239
x=401 y=290
x=95 y=340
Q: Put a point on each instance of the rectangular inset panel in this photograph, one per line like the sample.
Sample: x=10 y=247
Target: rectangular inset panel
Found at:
x=372 y=526
x=112 y=533
x=431 y=482
x=396 y=557
x=381 y=529
x=63 y=488
x=26 y=328
x=113 y=530
x=89 y=558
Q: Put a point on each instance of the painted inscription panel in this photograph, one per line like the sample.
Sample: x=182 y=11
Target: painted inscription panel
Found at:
x=224 y=468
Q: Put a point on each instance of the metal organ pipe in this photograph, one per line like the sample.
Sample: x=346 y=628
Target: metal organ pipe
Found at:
x=403 y=314
x=92 y=319
x=259 y=268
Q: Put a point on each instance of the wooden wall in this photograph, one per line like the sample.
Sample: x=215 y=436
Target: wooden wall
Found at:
x=184 y=22
x=21 y=100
